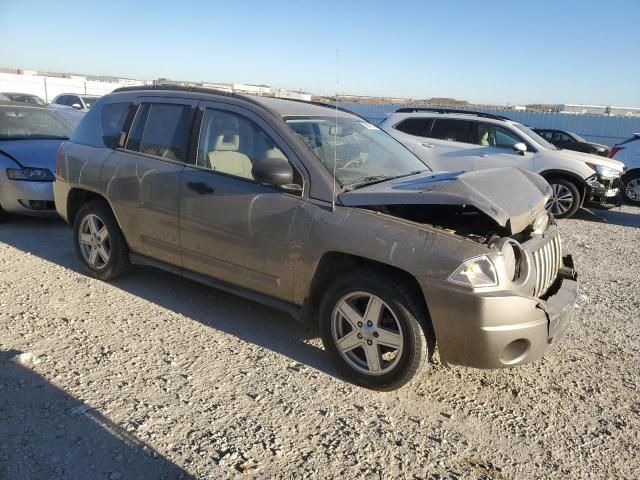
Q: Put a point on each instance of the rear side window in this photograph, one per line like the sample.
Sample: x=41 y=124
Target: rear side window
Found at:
x=415 y=126
x=453 y=130
x=161 y=130
x=113 y=117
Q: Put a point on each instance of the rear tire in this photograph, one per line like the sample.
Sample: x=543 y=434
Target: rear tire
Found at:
x=566 y=198
x=369 y=324
x=99 y=242
x=631 y=188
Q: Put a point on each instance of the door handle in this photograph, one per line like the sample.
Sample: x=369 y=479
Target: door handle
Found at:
x=426 y=145
x=200 y=187
x=484 y=155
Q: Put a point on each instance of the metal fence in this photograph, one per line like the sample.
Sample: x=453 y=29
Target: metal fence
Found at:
x=595 y=128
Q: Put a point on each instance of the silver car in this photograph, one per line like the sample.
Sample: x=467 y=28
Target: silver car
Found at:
x=317 y=212
x=30 y=137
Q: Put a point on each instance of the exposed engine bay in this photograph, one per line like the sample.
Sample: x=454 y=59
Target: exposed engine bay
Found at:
x=464 y=220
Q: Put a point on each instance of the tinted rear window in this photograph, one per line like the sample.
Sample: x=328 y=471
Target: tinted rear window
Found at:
x=113 y=117
x=453 y=130
x=161 y=130
x=415 y=126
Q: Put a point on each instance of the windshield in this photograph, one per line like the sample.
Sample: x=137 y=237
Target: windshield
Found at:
x=33 y=99
x=364 y=153
x=89 y=101
x=534 y=136
x=24 y=123
x=578 y=138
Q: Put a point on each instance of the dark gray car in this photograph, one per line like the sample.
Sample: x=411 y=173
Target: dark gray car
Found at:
x=389 y=258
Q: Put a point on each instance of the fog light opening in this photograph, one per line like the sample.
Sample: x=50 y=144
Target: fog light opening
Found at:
x=515 y=351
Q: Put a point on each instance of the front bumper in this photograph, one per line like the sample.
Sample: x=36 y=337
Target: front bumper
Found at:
x=27 y=198
x=603 y=192
x=498 y=329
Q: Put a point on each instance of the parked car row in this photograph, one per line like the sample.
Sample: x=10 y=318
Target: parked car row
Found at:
x=315 y=211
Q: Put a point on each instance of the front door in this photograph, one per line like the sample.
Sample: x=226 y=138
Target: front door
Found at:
x=496 y=149
x=233 y=228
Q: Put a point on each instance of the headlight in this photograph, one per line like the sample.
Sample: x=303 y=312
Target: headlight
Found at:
x=605 y=172
x=476 y=272
x=30 y=174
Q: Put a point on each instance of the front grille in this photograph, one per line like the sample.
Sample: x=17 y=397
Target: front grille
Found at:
x=547 y=260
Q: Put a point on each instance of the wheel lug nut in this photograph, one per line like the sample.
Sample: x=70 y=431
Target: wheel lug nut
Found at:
x=376 y=334
x=359 y=335
x=359 y=324
x=370 y=323
x=369 y=342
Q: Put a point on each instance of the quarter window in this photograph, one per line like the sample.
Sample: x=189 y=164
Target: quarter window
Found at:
x=161 y=130
x=452 y=130
x=231 y=144
x=495 y=136
x=113 y=117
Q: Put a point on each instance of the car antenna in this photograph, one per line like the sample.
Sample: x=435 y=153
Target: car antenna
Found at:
x=335 y=137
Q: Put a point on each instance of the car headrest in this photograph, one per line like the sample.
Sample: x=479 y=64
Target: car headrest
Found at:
x=227 y=142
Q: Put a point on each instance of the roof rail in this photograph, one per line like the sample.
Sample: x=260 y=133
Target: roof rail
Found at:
x=451 y=110
x=170 y=86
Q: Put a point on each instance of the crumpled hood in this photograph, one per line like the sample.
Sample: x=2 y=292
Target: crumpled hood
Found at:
x=36 y=153
x=512 y=197
x=594 y=159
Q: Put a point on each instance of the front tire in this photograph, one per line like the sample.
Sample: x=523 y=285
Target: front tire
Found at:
x=370 y=327
x=631 y=188
x=99 y=242
x=566 y=198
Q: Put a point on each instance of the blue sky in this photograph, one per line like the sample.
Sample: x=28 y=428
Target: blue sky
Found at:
x=484 y=51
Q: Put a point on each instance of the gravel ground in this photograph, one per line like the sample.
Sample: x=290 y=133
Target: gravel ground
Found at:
x=157 y=377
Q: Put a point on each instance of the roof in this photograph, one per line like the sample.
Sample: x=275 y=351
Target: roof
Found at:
x=289 y=107
x=281 y=106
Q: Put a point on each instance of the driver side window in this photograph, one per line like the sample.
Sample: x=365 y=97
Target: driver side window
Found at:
x=230 y=143
x=496 y=136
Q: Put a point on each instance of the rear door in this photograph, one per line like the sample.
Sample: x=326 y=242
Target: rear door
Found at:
x=233 y=228
x=142 y=177
x=452 y=144
x=496 y=148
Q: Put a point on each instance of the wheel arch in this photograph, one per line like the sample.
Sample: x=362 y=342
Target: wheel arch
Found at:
x=334 y=263
x=79 y=196
x=574 y=178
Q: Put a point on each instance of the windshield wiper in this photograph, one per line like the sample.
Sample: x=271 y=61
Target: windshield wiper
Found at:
x=378 y=179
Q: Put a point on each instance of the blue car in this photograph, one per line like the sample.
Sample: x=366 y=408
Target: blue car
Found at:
x=29 y=140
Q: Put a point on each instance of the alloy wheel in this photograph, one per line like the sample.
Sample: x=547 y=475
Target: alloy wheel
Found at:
x=561 y=200
x=632 y=190
x=367 y=333
x=94 y=241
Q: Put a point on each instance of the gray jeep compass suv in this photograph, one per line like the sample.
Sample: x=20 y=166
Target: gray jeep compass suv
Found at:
x=317 y=212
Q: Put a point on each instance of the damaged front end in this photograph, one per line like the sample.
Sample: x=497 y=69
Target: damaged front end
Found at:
x=478 y=205
x=501 y=208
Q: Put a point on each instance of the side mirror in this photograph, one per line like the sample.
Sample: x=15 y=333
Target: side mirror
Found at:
x=273 y=171
x=77 y=106
x=520 y=148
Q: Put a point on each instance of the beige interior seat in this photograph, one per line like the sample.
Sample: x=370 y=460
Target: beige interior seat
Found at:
x=484 y=138
x=226 y=158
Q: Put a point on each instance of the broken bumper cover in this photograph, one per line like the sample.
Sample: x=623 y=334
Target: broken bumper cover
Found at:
x=498 y=329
